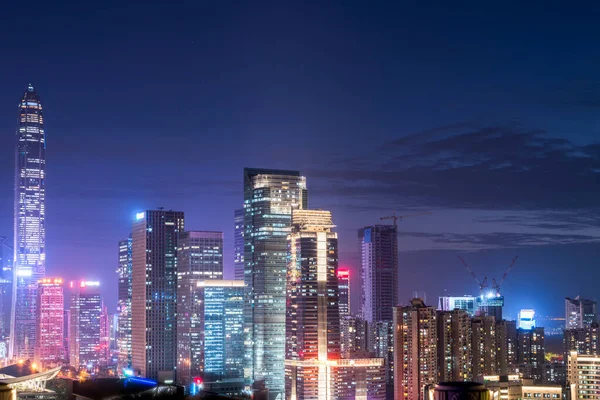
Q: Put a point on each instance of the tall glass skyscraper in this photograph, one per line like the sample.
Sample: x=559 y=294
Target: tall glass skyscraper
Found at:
x=154 y=293
x=50 y=336
x=29 y=223
x=85 y=334
x=199 y=258
x=124 y=303
x=238 y=244
x=269 y=197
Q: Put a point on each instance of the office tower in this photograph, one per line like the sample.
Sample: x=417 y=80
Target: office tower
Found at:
x=380 y=343
x=484 y=347
x=467 y=303
x=218 y=354
x=415 y=349
x=530 y=353
x=579 y=312
x=86 y=320
x=582 y=376
x=506 y=340
x=269 y=197
x=155 y=237
x=313 y=364
x=379 y=268
x=104 y=349
x=454 y=346
x=29 y=223
x=238 y=244
x=358 y=334
x=50 y=335
x=526 y=319
x=344 y=293
x=114 y=332
x=124 y=303
x=585 y=341
x=199 y=258
x=66 y=335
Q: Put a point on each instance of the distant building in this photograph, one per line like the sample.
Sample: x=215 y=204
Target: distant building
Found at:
x=124 y=303
x=155 y=236
x=199 y=258
x=466 y=303
x=526 y=319
x=454 y=346
x=379 y=269
x=582 y=376
x=104 y=349
x=85 y=327
x=313 y=366
x=344 y=293
x=238 y=244
x=484 y=347
x=530 y=353
x=506 y=339
x=358 y=334
x=50 y=302
x=579 y=312
x=269 y=198
x=512 y=387
x=490 y=304
x=585 y=341
x=415 y=349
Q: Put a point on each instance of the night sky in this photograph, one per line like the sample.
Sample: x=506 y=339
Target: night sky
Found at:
x=486 y=115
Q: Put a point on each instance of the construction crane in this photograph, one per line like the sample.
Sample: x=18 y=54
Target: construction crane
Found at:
x=496 y=286
x=399 y=217
x=482 y=285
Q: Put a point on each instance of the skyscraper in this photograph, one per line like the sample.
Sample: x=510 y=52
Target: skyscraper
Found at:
x=579 y=312
x=530 y=353
x=199 y=258
x=30 y=221
x=238 y=244
x=104 y=348
x=86 y=314
x=582 y=376
x=269 y=197
x=344 y=293
x=415 y=349
x=155 y=237
x=454 y=346
x=124 y=303
x=484 y=348
x=313 y=366
x=585 y=341
x=379 y=262
x=50 y=346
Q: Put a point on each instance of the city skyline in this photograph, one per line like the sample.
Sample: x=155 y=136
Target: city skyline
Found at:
x=428 y=96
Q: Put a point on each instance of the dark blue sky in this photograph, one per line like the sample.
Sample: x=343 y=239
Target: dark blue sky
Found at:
x=487 y=115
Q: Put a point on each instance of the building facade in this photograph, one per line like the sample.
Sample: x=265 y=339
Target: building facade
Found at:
x=199 y=258
x=29 y=224
x=155 y=236
x=579 y=312
x=454 y=346
x=415 y=349
x=124 y=303
x=50 y=346
x=238 y=244
x=85 y=337
x=585 y=341
x=344 y=304
x=269 y=198
x=583 y=376
x=484 y=347
x=530 y=353
x=379 y=269
x=467 y=303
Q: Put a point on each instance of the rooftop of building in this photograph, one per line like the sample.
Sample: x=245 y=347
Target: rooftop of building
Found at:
x=114 y=388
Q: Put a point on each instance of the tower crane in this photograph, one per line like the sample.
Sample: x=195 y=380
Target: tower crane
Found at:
x=496 y=286
x=482 y=285
x=400 y=217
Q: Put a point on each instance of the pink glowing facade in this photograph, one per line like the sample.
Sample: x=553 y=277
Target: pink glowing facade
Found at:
x=49 y=344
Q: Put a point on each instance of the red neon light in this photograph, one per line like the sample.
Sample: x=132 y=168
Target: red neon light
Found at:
x=343 y=273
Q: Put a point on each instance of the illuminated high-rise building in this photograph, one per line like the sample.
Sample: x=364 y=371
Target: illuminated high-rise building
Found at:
x=199 y=258
x=104 y=348
x=484 y=347
x=6 y=288
x=29 y=223
x=85 y=334
x=579 y=312
x=238 y=244
x=583 y=379
x=379 y=268
x=454 y=346
x=50 y=335
x=344 y=293
x=124 y=303
x=155 y=237
x=415 y=349
x=314 y=368
x=585 y=341
x=467 y=303
x=530 y=353
x=269 y=197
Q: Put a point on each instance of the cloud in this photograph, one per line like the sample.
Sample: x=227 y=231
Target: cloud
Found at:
x=465 y=167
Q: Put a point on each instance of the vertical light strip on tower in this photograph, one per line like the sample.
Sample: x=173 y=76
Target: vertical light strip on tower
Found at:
x=29 y=223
